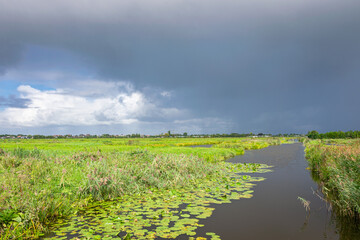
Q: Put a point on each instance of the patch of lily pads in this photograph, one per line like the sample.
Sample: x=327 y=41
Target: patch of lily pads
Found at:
x=161 y=214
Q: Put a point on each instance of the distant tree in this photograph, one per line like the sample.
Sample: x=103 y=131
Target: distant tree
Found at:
x=313 y=134
x=185 y=134
x=39 y=137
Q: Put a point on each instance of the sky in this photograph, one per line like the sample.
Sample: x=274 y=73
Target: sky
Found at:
x=195 y=66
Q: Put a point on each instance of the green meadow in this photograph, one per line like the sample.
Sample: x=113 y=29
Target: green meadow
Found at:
x=46 y=183
x=222 y=148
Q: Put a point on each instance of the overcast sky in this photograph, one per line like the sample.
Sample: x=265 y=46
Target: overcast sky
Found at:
x=196 y=66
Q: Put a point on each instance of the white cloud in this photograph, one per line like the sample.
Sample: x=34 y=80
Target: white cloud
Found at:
x=166 y=94
x=69 y=82
x=57 y=101
x=64 y=107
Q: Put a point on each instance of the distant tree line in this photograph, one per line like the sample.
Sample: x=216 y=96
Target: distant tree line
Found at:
x=339 y=134
x=168 y=134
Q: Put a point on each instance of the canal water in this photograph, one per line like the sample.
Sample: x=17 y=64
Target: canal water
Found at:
x=275 y=211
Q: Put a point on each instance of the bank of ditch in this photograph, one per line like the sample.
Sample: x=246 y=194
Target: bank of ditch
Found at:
x=338 y=169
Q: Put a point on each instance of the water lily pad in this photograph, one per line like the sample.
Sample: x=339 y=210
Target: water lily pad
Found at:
x=163 y=213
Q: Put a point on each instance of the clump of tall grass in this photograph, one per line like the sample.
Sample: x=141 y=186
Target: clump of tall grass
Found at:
x=338 y=168
x=246 y=145
x=24 y=153
x=36 y=189
x=194 y=143
x=138 y=171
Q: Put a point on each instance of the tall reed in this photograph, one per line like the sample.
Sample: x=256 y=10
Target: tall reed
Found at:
x=338 y=168
x=36 y=189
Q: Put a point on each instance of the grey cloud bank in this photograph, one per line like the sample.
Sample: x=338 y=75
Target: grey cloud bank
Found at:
x=255 y=66
x=13 y=101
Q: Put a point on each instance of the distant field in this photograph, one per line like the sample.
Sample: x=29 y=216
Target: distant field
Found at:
x=222 y=147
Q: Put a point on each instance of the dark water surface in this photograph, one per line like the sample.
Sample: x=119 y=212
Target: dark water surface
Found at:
x=204 y=146
x=275 y=212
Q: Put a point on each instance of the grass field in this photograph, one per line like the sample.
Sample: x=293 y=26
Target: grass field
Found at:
x=222 y=147
x=44 y=180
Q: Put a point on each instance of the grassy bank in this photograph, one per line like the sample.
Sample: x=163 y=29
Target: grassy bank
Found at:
x=37 y=190
x=337 y=163
x=44 y=180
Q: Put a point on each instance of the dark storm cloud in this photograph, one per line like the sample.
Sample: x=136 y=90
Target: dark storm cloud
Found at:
x=267 y=65
x=14 y=102
x=10 y=53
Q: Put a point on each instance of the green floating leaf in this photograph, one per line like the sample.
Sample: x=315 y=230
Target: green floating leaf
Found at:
x=164 y=214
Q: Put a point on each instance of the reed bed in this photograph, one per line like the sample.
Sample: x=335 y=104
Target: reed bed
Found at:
x=37 y=189
x=338 y=168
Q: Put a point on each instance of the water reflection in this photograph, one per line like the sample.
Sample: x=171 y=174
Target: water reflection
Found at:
x=348 y=228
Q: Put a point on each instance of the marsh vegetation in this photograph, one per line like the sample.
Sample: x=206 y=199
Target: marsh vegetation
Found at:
x=43 y=181
x=336 y=165
x=161 y=188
